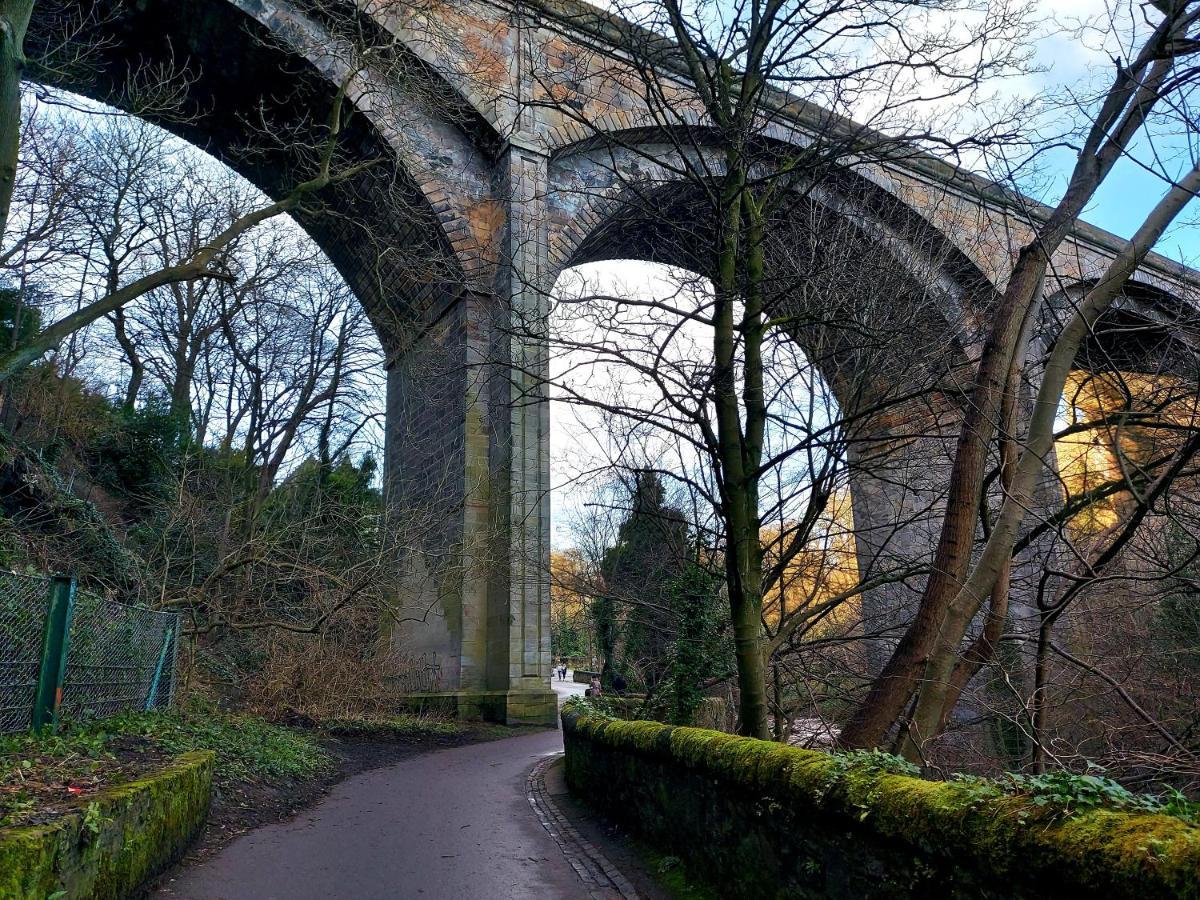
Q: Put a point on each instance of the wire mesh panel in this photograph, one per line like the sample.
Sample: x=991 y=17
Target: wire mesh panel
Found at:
x=22 y=620
x=120 y=657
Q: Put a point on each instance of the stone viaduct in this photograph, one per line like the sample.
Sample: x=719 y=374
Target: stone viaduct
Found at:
x=489 y=186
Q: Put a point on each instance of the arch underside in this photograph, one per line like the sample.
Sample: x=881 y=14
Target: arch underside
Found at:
x=885 y=331
x=1147 y=331
x=837 y=290
x=260 y=109
x=850 y=268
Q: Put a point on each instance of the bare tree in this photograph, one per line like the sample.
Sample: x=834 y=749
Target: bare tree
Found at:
x=362 y=64
x=924 y=660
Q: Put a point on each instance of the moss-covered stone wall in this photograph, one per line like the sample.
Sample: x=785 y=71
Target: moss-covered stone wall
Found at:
x=116 y=840
x=764 y=820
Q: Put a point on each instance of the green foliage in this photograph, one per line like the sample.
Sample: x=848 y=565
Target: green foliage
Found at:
x=93 y=819
x=675 y=877
x=247 y=747
x=337 y=504
x=138 y=454
x=40 y=506
x=650 y=554
x=325 y=488
x=588 y=706
x=976 y=789
x=567 y=638
x=20 y=317
x=614 y=707
x=603 y=613
x=873 y=762
x=69 y=740
x=701 y=652
x=1066 y=794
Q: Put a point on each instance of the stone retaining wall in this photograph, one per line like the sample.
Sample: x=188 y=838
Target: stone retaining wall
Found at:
x=764 y=820
x=133 y=832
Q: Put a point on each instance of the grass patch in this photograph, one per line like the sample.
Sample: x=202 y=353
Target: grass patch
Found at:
x=248 y=748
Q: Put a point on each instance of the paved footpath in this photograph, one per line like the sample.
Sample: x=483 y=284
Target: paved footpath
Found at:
x=449 y=825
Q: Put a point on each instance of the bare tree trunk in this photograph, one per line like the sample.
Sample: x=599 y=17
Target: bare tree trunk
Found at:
x=983 y=649
x=998 y=550
x=137 y=368
x=941 y=619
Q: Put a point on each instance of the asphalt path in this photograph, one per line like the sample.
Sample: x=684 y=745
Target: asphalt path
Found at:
x=449 y=825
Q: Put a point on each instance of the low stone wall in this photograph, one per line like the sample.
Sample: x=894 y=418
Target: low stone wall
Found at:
x=134 y=831
x=765 y=820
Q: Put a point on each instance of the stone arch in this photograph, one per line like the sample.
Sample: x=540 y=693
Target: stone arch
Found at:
x=417 y=238
x=595 y=183
x=895 y=270
x=590 y=172
x=1150 y=329
x=401 y=233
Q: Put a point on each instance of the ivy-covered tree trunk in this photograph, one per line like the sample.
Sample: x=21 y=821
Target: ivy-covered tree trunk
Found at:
x=741 y=420
x=604 y=614
x=14 y=22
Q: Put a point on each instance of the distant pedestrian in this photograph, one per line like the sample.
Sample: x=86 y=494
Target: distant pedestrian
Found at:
x=596 y=689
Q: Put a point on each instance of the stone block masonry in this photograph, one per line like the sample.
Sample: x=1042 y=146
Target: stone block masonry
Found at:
x=134 y=832
x=510 y=142
x=764 y=820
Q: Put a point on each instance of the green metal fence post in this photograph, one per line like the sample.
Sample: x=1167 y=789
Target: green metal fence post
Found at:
x=55 y=644
x=158 y=670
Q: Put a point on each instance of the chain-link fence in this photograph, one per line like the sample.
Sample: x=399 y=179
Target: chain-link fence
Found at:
x=22 y=623
x=117 y=657
x=120 y=657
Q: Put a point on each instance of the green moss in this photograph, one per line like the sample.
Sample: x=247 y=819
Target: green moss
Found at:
x=133 y=831
x=925 y=836
x=641 y=736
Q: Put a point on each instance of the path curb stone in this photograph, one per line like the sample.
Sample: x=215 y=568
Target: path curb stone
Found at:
x=601 y=878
